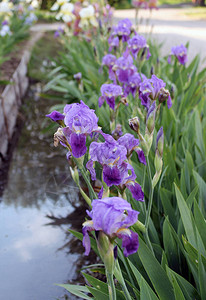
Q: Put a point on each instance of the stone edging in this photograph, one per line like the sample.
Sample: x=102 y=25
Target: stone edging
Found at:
x=11 y=98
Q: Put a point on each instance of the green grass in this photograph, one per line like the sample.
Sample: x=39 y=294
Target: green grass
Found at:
x=42 y=56
x=173 y=2
x=196 y=13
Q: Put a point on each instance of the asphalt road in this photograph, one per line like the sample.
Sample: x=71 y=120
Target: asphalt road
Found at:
x=172 y=27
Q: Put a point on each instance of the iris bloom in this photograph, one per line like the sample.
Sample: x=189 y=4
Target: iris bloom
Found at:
x=152 y=89
x=124 y=68
x=113 y=216
x=58 y=4
x=109 y=61
x=116 y=170
x=137 y=43
x=180 y=52
x=109 y=93
x=79 y=122
x=87 y=15
x=122 y=30
x=66 y=13
x=133 y=84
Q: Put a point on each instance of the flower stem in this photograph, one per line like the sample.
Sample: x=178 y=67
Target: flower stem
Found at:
x=118 y=275
x=149 y=208
x=111 y=286
x=84 y=175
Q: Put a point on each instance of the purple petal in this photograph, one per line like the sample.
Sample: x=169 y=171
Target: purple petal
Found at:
x=141 y=156
x=91 y=169
x=86 y=239
x=111 y=175
x=169 y=102
x=101 y=193
x=101 y=101
x=55 y=116
x=136 y=191
x=129 y=243
x=78 y=144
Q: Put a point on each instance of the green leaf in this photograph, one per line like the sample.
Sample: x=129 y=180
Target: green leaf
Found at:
x=96 y=283
x=166 y=197
x=98 y=295
x=156 y=273
x=170 y=246
x=202 y=277
x=186 y=216
x=202 y=190
x=200 y=223
x=188 y=290
x=102 y=287
x=77 y=290
x=178 y=292
x=146 y=292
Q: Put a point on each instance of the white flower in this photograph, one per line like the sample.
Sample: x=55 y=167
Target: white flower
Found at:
x=58 y=4
x=6 y=7
x=87 y=15
x=66 y=12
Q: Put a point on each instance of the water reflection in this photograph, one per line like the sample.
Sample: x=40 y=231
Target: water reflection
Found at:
x=39 y=204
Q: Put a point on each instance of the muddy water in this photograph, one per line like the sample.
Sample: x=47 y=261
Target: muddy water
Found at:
x=39 y=202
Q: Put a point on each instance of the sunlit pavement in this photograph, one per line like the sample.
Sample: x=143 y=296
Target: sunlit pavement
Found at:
x=171 y=27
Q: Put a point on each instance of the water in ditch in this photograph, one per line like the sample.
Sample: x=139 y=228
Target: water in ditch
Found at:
x=39 y=203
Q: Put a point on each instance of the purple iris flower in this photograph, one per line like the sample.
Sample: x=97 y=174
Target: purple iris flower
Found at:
x=123 y=29
x=109 y=61
x=151 y=89
x=109 y=93
x=113 y=216
x=113 y=42
x=132 y=144
x=137 y=43
x=5 y=22
x=133 y=84
x=79 y=122
x=124 y=68
x=180 y=52
x=116 y=170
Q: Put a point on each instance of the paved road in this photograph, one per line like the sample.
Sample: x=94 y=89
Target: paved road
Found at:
x=172 y=27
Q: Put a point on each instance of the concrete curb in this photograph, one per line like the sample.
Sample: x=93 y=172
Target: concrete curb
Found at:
x=11 y=98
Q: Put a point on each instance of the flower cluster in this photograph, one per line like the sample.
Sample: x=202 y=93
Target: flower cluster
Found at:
x=80 y=16
x=123 y=70
x=112 y=155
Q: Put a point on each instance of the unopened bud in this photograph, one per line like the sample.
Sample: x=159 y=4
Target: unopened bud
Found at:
x=172 y=91
x=163 y=95
x=160 y=141
x=152 y=70
x=150 y=120
x=143 y=53
x=134 y=124
x=75 y=175
x=106 y=251
x=95 y=51
x=124 y=100
x=158 y=162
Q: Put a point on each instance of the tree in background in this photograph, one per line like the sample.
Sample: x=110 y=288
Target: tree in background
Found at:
x=199 y=2
x=47 y=4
